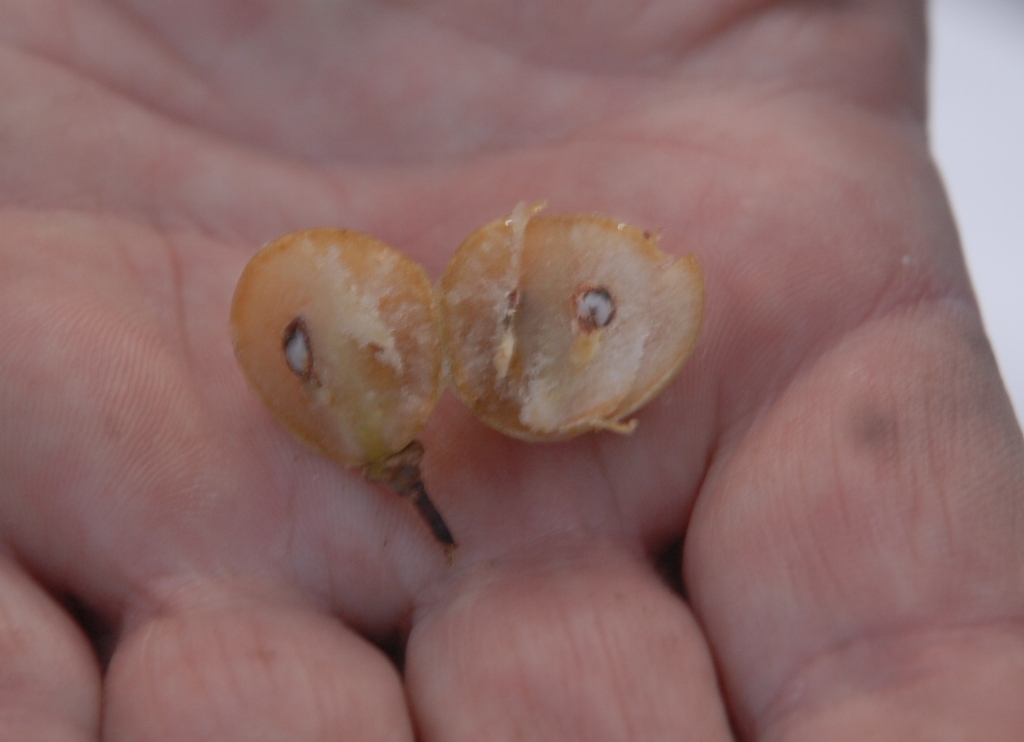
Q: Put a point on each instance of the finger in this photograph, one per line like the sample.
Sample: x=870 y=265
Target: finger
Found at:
x=49 y=677
x=858 y=559
x=213 y=664
x=562 y=646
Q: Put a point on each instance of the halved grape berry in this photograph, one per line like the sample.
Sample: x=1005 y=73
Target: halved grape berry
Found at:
x=336 y=332
x=557 y=325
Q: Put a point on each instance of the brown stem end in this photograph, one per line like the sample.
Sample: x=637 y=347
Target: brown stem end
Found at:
x=401 y=474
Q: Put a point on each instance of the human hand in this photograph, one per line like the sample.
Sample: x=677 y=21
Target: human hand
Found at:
x=839 y=454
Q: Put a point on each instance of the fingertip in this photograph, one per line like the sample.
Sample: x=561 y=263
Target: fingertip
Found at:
x=49 y=675
x=577 y=647
x=238 y=668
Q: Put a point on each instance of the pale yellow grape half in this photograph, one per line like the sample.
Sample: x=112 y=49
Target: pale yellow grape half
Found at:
x=371 y=374
x=518 y=354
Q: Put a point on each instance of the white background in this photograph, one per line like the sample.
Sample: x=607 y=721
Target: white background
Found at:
x=977 y=134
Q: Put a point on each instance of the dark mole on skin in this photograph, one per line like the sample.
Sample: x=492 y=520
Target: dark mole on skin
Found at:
x=876 y=432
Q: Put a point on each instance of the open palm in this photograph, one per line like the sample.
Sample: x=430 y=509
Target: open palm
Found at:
x=839 y=454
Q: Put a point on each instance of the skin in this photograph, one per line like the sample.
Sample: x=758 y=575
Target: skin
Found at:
x=839 y=454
